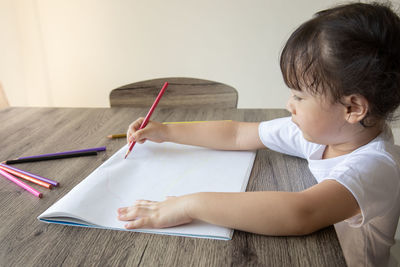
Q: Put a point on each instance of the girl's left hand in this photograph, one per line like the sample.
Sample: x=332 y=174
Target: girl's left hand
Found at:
x=153 y=214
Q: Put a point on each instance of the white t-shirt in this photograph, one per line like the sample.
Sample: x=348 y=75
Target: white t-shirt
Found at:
x=371 y=173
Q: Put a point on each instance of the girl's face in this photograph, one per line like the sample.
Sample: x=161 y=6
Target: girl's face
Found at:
x=319 y=120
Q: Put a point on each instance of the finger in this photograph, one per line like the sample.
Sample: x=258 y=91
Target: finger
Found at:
x=122 y=210
x=133 y=127
x=129 y=214
x=129 y=134
x=136 y=211
x=137 y=123
x=129 y=137
x=143 y=202
x=140 y=136
x=139 y=223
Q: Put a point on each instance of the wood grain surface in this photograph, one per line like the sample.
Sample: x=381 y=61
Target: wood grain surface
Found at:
x=182 y=92
x=24 y=241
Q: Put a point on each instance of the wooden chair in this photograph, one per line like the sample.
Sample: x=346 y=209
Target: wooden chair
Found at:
x=181 y=92
x=3 y=98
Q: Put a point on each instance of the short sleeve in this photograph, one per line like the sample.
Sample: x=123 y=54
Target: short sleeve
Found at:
x=283 y=136
x=374 y=183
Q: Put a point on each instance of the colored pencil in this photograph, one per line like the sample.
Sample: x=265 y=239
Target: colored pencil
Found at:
x=112 y=136
x=97 y=149
x=146 y=119
x=71 y=155
x=47 y=180
x=27 y=177
x=21 y=184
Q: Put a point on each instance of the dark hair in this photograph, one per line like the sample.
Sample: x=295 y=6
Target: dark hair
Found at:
x=348 y=49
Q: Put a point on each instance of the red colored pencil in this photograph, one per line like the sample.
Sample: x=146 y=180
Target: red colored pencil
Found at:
x=147 y=118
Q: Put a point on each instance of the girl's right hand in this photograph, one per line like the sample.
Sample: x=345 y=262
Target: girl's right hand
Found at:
x=154 y=131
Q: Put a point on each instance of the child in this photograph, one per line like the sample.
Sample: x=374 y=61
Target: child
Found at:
x=343 y=68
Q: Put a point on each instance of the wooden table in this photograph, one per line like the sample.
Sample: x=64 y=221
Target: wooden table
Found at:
x=24 y=241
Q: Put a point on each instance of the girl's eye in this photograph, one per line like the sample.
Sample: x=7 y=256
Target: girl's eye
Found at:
x=295 y=97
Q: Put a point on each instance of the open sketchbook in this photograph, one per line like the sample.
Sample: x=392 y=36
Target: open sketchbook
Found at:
x=153 y=172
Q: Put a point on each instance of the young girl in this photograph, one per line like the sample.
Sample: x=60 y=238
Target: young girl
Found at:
x=343 y=68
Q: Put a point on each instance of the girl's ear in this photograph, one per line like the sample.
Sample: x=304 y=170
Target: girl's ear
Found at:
x=357 y=108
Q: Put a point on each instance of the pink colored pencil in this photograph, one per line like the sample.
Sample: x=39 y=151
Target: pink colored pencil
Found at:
x=47 y=180
x=21 y=184
x=147 y=118
x=25 y=177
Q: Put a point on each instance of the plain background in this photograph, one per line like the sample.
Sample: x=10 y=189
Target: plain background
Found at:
x=72 y=53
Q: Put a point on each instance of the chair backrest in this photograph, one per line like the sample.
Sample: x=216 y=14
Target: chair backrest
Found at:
x=3 y=98
x=181 y=92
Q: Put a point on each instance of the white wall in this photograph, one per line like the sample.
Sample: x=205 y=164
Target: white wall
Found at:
x=74 y=52
x=11 y=66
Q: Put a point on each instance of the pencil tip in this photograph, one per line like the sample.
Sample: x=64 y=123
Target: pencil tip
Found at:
x=109 y=136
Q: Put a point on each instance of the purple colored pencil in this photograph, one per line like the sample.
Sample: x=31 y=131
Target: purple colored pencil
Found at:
x=55 y=183
x=95 y=149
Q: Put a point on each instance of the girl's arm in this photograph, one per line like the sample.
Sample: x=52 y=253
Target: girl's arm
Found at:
x=224 y=135
x=269 y=213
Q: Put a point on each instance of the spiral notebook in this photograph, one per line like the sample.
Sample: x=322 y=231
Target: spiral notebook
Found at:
x=153 y=171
